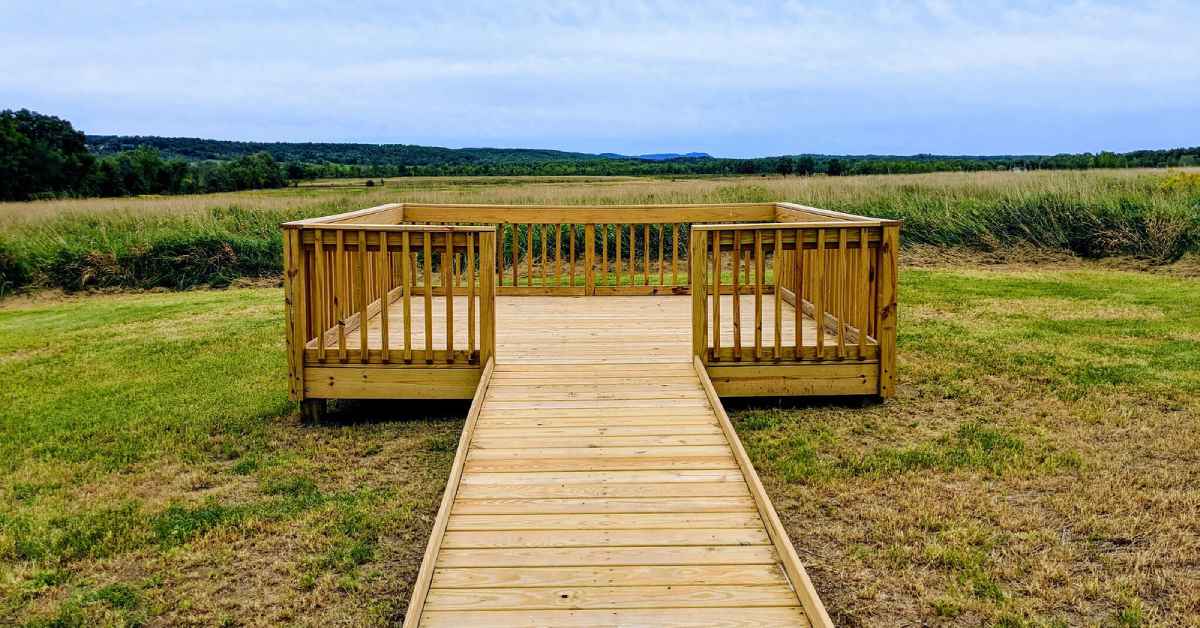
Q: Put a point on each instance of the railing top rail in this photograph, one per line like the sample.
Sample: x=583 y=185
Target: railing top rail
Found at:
x=567 y=206
x=407 y=227
x=771 y=226
x=390 y=215
x=831 y=214
x=345 y=216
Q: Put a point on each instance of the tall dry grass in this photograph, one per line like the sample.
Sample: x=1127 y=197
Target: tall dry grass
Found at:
x=179 y=241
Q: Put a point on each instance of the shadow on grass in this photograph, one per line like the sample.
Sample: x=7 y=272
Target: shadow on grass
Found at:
x=351 y=412
x=750 y=404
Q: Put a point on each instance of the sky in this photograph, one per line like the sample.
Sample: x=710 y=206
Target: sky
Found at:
x=731 y=79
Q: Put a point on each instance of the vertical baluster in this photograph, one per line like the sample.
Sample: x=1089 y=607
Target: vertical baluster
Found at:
x=758 y=293
x=557 y=255
x=571 y=257
x=661 y=268
x=427 y=276
x=617 y=257
x=322 y=294
x=360 y=269
x=632 y=256
x=448 y=256
x=798 y=284
x=406 y=284
x=339 y=284
x=589 y=259
x=500 y=254
x=819 y=293
x=716 y=291
x=737 y=295
x=842 y=281
x=602 y=230
x=385 y=274
x=469 y=257
x=675 y=254
x=646 y=254
x=545 y=260
x=529 y=255
x=776 y=268
x=515 y=252
x=864 y=283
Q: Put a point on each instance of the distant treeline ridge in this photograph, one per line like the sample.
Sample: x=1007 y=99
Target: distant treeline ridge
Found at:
x=43 y=156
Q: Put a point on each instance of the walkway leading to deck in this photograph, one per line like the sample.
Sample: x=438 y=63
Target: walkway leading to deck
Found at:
x=602 y=485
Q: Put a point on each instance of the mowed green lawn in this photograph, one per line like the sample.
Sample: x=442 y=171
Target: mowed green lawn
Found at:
x=1038 y=467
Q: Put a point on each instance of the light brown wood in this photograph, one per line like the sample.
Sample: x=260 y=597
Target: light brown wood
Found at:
x=804 y=589
x=420 y=591
x=598 y=480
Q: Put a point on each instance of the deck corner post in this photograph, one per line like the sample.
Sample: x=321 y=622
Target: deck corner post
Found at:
x=889 y=257
x=698 y=244
x=487 y=295
x=294 y=310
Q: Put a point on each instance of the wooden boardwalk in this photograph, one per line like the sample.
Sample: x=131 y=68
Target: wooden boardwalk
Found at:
x=601 y=484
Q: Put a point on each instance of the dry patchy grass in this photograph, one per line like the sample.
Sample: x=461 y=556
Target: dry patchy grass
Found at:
x=1039 y=466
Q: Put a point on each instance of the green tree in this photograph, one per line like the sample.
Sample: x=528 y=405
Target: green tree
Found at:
x=40 y=155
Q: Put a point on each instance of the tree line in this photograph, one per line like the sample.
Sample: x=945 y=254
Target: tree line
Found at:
x=44 y=156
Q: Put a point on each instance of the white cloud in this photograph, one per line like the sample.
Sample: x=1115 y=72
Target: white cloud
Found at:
x=746 y=78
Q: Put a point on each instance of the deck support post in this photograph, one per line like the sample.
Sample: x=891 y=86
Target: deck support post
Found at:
x=295 y=310
x=313 y=410
x=889 y=258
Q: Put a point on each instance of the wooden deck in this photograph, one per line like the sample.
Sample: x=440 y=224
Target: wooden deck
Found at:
x=588 y=330
x=599 y=483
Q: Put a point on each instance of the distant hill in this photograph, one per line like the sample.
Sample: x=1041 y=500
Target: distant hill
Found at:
x=659 y=156
x=307 y=160
x=196 y=149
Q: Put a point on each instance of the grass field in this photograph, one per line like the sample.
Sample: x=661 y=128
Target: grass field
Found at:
x=1040 y=465
x=183 y=241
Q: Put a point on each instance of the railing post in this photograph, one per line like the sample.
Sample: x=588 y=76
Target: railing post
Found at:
x=295 y=301
x=697 y=254
x=487 y=295
x=589 y=259
x=889 y=253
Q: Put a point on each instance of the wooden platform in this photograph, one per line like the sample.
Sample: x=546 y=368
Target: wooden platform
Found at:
x=587 y=330
x=599 y=483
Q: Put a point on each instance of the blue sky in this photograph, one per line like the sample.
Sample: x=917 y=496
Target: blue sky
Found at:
x=731 y=79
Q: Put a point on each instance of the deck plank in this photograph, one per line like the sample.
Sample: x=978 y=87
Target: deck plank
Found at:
x=604 y=494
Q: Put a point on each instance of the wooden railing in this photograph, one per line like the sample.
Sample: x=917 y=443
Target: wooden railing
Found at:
x=590 y=250
x=416 y=295
x=835 y=279
x=811 y=285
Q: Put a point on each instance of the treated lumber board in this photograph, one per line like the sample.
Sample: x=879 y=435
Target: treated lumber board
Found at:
x=585 y=556
x=704 y=537
x=600 y=431
x=425 y=574
x=601 y=464
x=623 y=618
x=602 y=505
x=813 y=607
x=398 y=382
x=555 y=598
x=535 y=441
x=593 y=576
x=612 y=477
x=657 y=490
x=585 y=214
x=537 y=453
x=605 y=521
